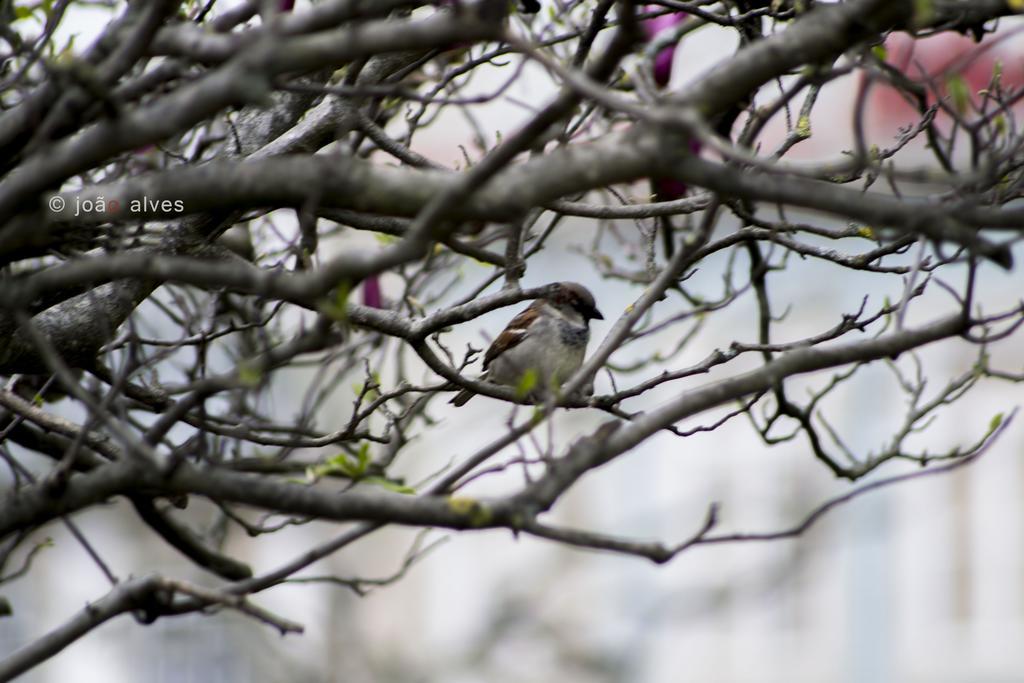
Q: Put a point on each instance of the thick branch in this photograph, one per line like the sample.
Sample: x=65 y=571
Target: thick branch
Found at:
x=244 y=79
x=352 y=183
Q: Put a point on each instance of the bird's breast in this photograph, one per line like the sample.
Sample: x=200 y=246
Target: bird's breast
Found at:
x=554 y=350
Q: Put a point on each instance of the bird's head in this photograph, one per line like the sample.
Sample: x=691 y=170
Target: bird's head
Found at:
x=572 y=296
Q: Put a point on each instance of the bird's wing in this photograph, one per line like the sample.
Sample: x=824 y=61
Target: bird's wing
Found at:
x=518 y=329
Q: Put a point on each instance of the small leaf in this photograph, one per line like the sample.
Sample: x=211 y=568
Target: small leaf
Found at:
x=333 y=312
x=526 y=383
x=394 y=486
x=1000 y=121
x=997 y=420
x=67 y=53
x=866 y=232
x=958 y=92
x=924 y=12
x=477 y=513
x=249 y=374
x=342 y=293
x=337 y=307
x=880 y=52
x=803 y=126
x=342 y=463
x=461 y=505
x=363 y=456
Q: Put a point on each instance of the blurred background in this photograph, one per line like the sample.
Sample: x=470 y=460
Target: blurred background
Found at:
x=922 y=581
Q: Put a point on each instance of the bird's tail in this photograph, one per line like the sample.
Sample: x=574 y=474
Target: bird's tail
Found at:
x=462 y=398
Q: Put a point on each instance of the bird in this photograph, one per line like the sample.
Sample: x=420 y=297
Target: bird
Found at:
x=549 y=338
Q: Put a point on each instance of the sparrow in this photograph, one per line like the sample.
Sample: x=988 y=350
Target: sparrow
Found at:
x=549 y=337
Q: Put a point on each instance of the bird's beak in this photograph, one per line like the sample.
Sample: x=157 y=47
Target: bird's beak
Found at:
x=594 y=313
